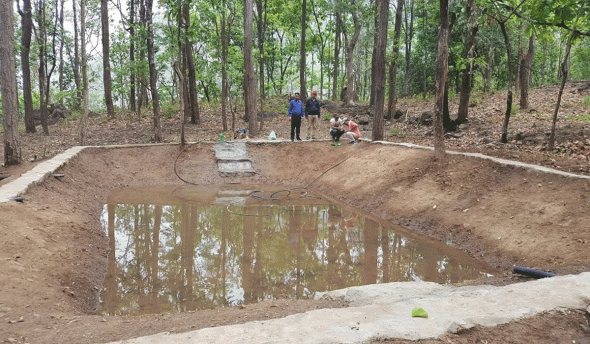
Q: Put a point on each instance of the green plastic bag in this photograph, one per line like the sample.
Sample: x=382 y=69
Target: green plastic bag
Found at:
x=419 y=313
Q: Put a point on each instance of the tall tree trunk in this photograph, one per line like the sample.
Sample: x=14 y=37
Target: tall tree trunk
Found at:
x=84 y=73
x=392 y=101
x=544 y=63
x=42 y=41
x=379 y=74
x=261 y=24
x=142 y=97
x=337 y=42
x=487 y=74
x=12 y=148
x=133 y=70
x=409 y=37
x=27 y=32
x=106 y=63
x=504 y=138
x=249 y=82
x=224 y=49
x=424 y=72
x=373 y=56
x=441 y=74
x=153 y=72
x=302 y=53
x=565 y=67
x=350 y=46
x=61 y=49
x=182 y=75
x=193 y=97
x=322 y=48
x=466 y=77
x=76 y=66
x=525 y=74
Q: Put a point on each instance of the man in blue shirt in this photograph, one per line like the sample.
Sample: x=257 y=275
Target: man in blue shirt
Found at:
x=295 y=113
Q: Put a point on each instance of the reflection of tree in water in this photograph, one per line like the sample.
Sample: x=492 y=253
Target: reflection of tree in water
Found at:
x=187 y=257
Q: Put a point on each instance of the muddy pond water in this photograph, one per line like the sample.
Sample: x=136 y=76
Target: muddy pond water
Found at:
x=192 y=248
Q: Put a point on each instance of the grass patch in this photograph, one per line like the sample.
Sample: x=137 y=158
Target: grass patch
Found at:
x=580 y=118
x=397 y=132
x=327 y=116
x=586 y=101
x=276 y=105
x=170 y=109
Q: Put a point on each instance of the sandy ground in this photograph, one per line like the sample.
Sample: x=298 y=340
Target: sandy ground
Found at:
x=53 y=250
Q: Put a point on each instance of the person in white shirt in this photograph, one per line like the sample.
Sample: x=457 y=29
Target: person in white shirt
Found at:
x=336 y=129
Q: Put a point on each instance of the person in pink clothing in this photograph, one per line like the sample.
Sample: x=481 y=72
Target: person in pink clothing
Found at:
x=352 y=131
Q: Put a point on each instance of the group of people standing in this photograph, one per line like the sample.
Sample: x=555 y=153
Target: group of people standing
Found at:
x=338 y=126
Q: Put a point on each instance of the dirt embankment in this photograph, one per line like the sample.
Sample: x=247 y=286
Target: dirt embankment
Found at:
x=53 y=249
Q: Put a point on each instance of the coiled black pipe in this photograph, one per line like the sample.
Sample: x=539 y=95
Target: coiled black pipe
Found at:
x=534 y=273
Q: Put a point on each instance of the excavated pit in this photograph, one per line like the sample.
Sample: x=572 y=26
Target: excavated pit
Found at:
x=200 y=247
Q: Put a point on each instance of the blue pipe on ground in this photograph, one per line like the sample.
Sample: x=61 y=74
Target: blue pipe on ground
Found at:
x=534 y=273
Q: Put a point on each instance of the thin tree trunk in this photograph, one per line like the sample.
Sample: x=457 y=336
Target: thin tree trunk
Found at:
x=27 y=32
x=76 y=66
x=84 y=73
x=8 y=88
x=337 y=43
x=182 y=82
x=132 y=55
x=565 y=66
x=392 y=101
x=424 y=72
x=504 y=138
x=193 y=97
x=302 y=53
x=373 y=56
x=261 y=23
x=441 y=74
x=379 y=74
x=249 y=82
x=42 y=41
x=224 y=48
x=142 y=98
x=487 y=74
x=409 y=37
x=153 y=73
x=446 y=113
x=544 y=63
x=525 y=74
x=466 y=76
x=61 y=49
x=350 y=91
x=106 y=63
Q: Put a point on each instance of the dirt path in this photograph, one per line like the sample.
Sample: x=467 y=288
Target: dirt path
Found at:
x=53 y=250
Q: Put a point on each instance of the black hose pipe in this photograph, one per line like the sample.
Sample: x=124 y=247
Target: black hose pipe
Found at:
x=534 y=273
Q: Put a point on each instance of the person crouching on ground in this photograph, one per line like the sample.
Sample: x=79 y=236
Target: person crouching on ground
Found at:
x=295 y=113
x=336 y=129
x=352 y=131
x=312 y=113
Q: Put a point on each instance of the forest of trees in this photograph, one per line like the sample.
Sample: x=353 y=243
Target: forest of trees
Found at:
x=232 y=52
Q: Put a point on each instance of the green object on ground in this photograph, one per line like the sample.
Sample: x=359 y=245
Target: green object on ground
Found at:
x=419 y=313
x=336 y=143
